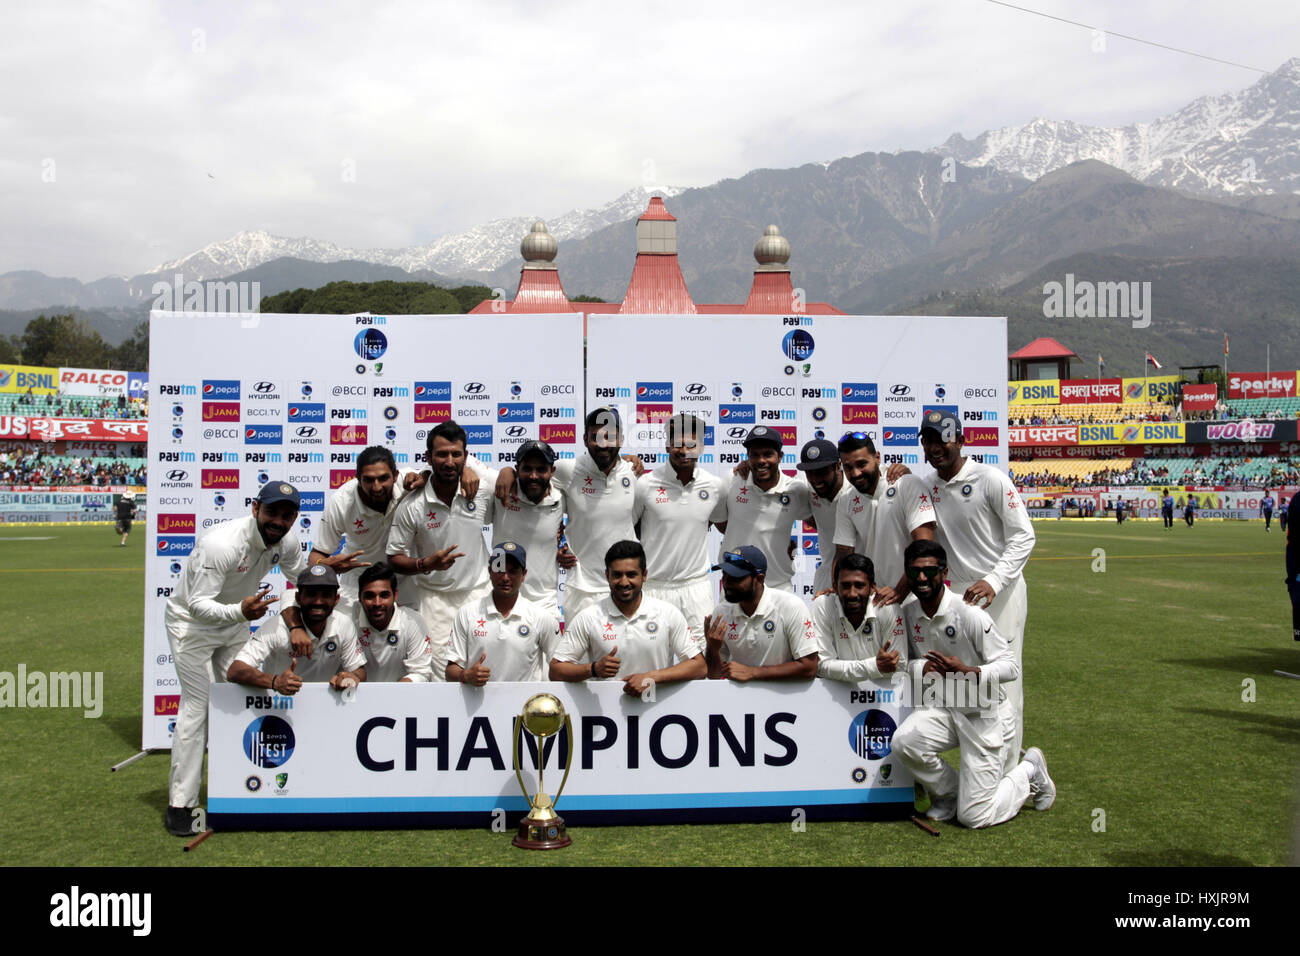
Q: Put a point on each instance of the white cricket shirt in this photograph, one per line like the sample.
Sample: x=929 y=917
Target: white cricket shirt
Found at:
x=519 y=645
x=655 y=637
x=366 y=529
x=600 y=512
x=765 y=520
x=675 y=522
x=983 y=526
x=424 y=524
x=848 y=653
x=880 y=525
x=959 y=630
x=226 y=566
x=825 y=512
x=269 y=650
x=535 y=527
x=402 y=649
x=779 y=631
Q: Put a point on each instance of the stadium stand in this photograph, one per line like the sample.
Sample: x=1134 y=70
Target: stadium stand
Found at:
x=1266 y=408
x=1264 y=471
x=39 y=468
x=71 y=406
x=1091 y=414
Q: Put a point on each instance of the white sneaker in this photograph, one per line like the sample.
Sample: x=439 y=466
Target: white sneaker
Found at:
x=1041 y=788
x=942 y=808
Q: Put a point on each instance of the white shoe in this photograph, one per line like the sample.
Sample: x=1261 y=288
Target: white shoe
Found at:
x=1041 y=788
x=942 y=808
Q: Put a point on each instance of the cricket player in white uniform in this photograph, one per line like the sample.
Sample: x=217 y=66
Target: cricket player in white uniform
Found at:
x=879 y=518
x=268 y=659
x=819 y=460
x=760 y=510
x=393 y=638
x=950 y=637
x=504 y=636
x=627 y=635
x=207 y=623
x=672 y=508
x=758 y=633
x=858 y=640
x=437 y=538
x=531 y=516
x=361 y=511
x=986 y=532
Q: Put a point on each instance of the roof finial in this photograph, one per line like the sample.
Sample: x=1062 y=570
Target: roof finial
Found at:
x=772 y=251
x=538 y=247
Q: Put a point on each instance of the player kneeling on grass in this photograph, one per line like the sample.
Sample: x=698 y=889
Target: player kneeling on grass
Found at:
x=858 y=641
x=757 y=633
x=952 y=639
x=504 y=636
x=657 y=645
x=267 y=660
x=392 y=638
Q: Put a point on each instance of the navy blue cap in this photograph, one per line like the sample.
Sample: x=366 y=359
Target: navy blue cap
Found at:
x=761 y=434
x=318 y=576
x=818 y=453
x=508 y=549
x=274 y=491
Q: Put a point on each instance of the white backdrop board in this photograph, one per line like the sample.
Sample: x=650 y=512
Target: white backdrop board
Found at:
x=807 y=376
x=238 y=400
x=440 y=754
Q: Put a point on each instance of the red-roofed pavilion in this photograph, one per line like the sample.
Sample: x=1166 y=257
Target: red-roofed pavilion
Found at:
x=1042 y=358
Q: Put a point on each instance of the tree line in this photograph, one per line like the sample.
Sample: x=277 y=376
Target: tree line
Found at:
x=68 y=341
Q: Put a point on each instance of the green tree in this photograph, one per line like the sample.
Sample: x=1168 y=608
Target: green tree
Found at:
x=63 y=340
x=133 y=354
x=11 y=349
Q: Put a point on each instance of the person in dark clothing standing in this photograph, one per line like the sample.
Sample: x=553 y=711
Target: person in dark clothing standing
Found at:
x=125 y=512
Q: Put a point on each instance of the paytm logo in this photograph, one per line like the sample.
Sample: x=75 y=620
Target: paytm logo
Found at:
x=654 y=391
x=901 y=436
x=264 y=435
x=433 y=391
x=311 y=501
x=478 y=434
x=515 y=412
x=736 y=414
x=307 y=412
x=220 y=388
x=858 y=392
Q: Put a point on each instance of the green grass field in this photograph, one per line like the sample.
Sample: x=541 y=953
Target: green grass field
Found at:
x=1134 y=689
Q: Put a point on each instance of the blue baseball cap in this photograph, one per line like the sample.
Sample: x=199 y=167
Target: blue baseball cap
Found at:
x=274 y=491
x=508 y=549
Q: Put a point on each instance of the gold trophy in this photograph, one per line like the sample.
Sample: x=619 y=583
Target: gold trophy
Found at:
x=543 y=715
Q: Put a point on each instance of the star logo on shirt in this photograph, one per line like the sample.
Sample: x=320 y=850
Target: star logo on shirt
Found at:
x=857 y=500
x=733 y=625
x=917 y=628
x=744 y=489
x=361 y=525
x=587 y=480
x=609 y=626
x=432 y=514
x=925 y=497
x=662 y=491
x=481 y=622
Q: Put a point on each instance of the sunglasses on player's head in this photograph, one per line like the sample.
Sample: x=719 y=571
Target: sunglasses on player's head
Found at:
x=737 y=560
x=929 y=571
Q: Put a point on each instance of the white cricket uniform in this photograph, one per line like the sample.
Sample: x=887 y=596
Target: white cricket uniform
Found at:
x=825 y=513
x=779 y=631
x=599 y=507
x=206 y=629
x=674 y=522
x=987 y=534
x=425 y=524
x=848 y=653
x=765 y=519
x=519 y=645
x=654 y=637
x=270 y=650
x=880 y=525
x=534 y=526
x=364 y=529
x=988 y=793
x=401 y=650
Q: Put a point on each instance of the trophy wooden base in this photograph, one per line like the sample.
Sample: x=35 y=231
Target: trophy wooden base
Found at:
x=542 y=834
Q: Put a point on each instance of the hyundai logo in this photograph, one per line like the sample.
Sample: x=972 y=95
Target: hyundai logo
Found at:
x=264 y=387
x=737 y=432
x=177 y=475
x=900 y=390
x=473 y=388
x=514 y=431
x=695 y=388
x=306 y=431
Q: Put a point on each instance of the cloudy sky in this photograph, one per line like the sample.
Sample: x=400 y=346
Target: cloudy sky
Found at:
x=137 y=132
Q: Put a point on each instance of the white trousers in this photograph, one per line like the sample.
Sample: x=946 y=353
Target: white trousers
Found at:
x=1009 y=610
x=200 y=659
x=987 y=794
x=694 y=598
x=438 y=608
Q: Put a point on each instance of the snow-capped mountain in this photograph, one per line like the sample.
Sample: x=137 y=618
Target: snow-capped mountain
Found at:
x=479 y=249
x=1238 y=144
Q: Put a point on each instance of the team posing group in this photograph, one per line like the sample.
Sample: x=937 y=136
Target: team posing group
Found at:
x=400 y=585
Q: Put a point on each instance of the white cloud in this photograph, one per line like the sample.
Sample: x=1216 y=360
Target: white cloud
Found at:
x=172 y=126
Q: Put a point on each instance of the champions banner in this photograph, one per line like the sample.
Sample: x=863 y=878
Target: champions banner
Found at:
x=241 y=399
x=397 y=755
x=807 y=377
